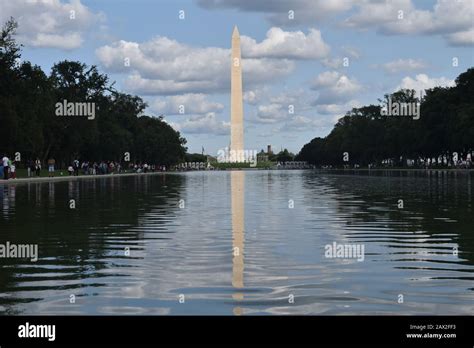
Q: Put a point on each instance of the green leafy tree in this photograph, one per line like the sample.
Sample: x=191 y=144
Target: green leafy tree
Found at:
x=446 y=125
x=28 y=99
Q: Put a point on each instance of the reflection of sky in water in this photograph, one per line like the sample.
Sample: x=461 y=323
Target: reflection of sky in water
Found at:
x=192 y=250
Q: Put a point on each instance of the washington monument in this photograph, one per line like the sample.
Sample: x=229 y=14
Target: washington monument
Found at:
x=236 y=107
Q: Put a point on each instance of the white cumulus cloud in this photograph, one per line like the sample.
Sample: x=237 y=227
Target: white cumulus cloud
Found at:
x=423 y=81
x=462 y=38
x=202 y=124
x=399 y=65
x=286 y=44
x=278 y=11
x=451 y=19
x=185 y=104
x=50 y=23
x=333 y=87
x=163 y=66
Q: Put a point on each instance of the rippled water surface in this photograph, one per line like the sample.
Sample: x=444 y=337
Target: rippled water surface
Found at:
x=239 y=243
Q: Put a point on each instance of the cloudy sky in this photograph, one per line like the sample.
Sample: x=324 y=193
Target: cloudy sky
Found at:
x=305 y=62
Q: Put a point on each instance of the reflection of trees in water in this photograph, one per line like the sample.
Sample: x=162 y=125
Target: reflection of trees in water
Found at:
x=78 y=240
x=435 y=202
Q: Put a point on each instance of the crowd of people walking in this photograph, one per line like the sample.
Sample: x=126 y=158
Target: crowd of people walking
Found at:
x=75 y=168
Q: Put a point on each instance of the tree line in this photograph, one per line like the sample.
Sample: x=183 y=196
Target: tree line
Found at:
x=367 y=135
x=30 y=124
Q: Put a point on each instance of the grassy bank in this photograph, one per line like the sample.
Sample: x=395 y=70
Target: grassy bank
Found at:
x=259 y=165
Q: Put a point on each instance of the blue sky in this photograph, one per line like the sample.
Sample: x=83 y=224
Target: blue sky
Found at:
x=287 y=62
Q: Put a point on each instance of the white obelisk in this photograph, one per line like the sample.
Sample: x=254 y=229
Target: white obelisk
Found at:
x=236 y=104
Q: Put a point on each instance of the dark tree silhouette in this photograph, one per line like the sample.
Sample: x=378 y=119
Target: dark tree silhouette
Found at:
x=445 y=126
x=30 y=125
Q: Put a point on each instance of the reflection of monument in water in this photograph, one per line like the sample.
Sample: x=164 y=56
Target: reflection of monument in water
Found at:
x=236 y=103
x=237 y=177
x=237 y=185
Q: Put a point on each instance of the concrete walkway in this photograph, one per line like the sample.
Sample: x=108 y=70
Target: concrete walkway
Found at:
x=71 y=178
